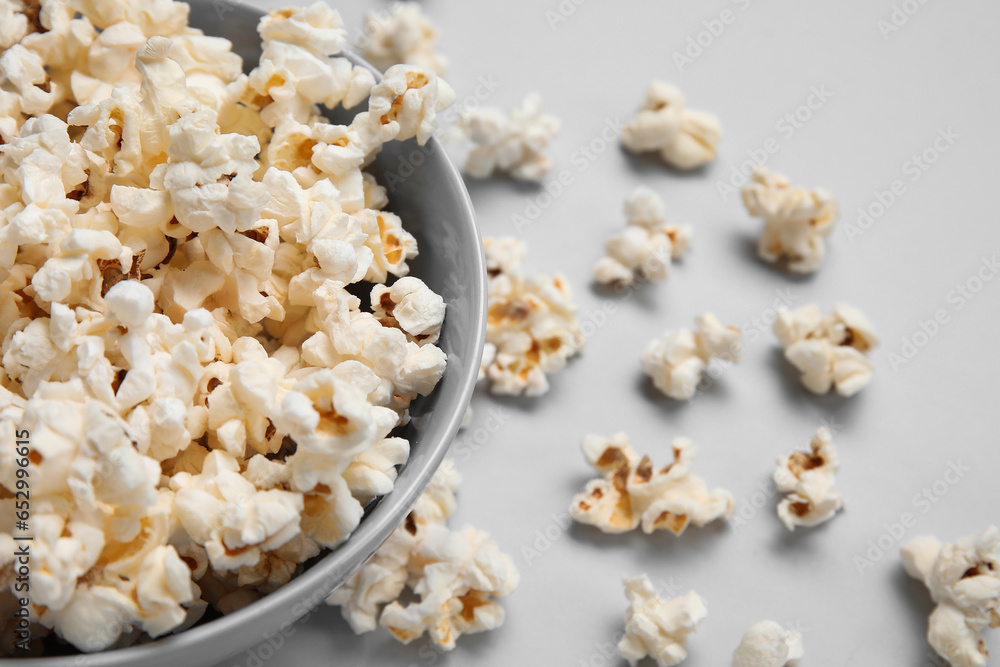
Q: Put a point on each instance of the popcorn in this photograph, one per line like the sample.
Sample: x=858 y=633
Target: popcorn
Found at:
x=808 y=478
x=657 y=628
x=795 y=220
x=964 y=580
x=457 y=575
x=830 y=351
x=632 y=493
x=684 y=139
x=404 y=36
x=410 y=97
x=677 y=362
x=411 y=306
x=513 y=144
x=646 y=247
x=767 y=644
x=531 y=324
x=209 y=405
x=297 y=68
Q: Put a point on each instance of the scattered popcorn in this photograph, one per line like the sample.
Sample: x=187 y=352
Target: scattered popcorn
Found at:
x=403 y=36
x=964 y=580
x=457 y=575
x=646 y=247
x=684 y=139
x=531 y=327
x=512 y=144
x=830 y=351
x=809 y=479
x=796 y=220
x=658 y=628
x=677 y=362
x=209 y=403
x=632 y=493
x=767 y=644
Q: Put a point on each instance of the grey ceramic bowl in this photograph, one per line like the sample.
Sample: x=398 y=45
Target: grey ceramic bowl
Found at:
x=427 y=192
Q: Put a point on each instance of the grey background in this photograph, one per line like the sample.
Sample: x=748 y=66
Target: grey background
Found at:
x=890 y=96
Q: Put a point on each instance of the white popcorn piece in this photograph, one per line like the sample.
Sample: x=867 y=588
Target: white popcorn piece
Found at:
x=657 y=628
x=632 y=493
x=830 y=351
x=403 y=35
x=677 y=362
x=411 y=306
x=808 y=477
x=767 y=644
x=683 y=138
x=298 y=68
x=514 y=144
x=796 y=220
x=531 y=323
x=409 y=98
x=964 y=581
x=646 y=247
x=457 y=575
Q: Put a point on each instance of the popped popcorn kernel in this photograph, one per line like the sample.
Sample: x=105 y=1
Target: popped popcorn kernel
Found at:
x=677 y=362
x=767 y=644
x=647 y=246
x=964 y=580
x=830 y=351
x=683 y=138
x=514 y=143
x=632 y=492
x=404 y=35
x=658 y=628
x=808 y=477
x=796 y=220
x=531 y=323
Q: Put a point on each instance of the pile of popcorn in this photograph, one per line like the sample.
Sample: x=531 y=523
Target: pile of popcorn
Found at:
x=183 y=252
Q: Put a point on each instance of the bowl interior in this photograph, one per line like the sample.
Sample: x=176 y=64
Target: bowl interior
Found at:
x=427 y=192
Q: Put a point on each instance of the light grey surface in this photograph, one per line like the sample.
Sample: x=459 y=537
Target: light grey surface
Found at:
x=451 y=263
x=889 y=99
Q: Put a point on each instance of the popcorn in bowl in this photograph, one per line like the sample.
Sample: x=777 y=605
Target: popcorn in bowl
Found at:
x=186 y=258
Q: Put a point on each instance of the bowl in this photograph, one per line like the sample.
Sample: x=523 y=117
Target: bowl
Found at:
x=428 y=193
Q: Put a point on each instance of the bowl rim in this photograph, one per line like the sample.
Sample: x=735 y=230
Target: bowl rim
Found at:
x=286 y=605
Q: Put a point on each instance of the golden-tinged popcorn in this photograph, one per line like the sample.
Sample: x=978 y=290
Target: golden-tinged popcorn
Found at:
x=809 y=479
x=403 y=36
x=658 y=628
x=830 y=351
x=531 y=326
x=514 y=144
x=209 y=405
x=767 y=644
x=632 y=493
x=683 y=138
x=677 y=362
x=457 y=575
x=796 y=220
x=964 y=580
x=647 y=246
